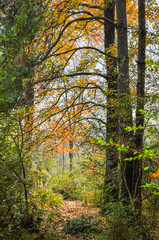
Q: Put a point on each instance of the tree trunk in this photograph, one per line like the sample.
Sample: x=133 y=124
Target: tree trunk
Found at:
x=63 y=161
x=70 y=141
x=111 y=174
x=125 y=108
x=140 y=98
x=71 y=155
x=29 y=105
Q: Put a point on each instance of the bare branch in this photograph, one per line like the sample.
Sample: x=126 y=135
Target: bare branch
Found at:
x=66 y=26
x=82 y=48
x=92 y=6
x=41 y=80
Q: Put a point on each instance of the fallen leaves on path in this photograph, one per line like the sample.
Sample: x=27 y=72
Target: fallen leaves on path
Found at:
x=75 y=209
x=72 y=209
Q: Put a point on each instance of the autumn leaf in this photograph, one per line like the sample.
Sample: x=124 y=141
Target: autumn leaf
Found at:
x=155 y=174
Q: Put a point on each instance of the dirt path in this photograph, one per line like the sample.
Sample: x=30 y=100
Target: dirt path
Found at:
x=73 y=209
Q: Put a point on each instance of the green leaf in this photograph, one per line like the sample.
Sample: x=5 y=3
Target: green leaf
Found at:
x=135 y=153
x=100 y=141
x=142 y=111
x=128 y=128
x=129 y=159
x=146 y=168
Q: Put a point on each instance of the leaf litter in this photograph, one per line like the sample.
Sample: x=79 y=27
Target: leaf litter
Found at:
x=69 y=210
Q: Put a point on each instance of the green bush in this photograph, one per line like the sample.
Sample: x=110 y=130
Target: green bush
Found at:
x=82 y=224
x=122 y=223
x=66 y=186
x=24 y=224
x=46 y=197
x=78 y=187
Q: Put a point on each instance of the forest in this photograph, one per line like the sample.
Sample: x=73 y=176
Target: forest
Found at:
x=79 y=129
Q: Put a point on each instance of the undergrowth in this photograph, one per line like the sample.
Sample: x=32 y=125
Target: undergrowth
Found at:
x=81 y=224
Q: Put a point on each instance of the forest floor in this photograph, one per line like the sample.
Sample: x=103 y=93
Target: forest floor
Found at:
x=52 y=227
x=68 y=210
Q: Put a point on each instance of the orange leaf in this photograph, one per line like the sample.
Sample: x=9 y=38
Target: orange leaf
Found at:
x=155 y=175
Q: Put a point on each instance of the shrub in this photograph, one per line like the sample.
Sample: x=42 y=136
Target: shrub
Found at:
x=122 y=223
x=82 y=224
x=24 y=224
x=46 y=197
x=66 y=186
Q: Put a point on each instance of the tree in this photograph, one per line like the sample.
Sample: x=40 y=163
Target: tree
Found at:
x=125 y=108
x=19 y=21
x=111 y=174
x=140 y=99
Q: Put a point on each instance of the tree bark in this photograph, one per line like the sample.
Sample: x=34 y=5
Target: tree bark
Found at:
x=71 y=155
x=111 y=173
x=140 y=99
x=125 y=108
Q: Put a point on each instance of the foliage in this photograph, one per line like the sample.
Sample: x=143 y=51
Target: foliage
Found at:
x=65 y=185
x=150 y=215
x=45 y=197
x=82 y=224
x=19 y=23
x=122 y=224
x=13 y=180
x=85 y=183
x=23 y=223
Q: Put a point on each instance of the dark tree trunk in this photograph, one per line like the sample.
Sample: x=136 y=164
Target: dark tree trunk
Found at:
x=111 y=174
x=70 y=143
x=125 y=108
x=71 y=155
x=140 y=99
x=63 y=161
x=29 y=104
